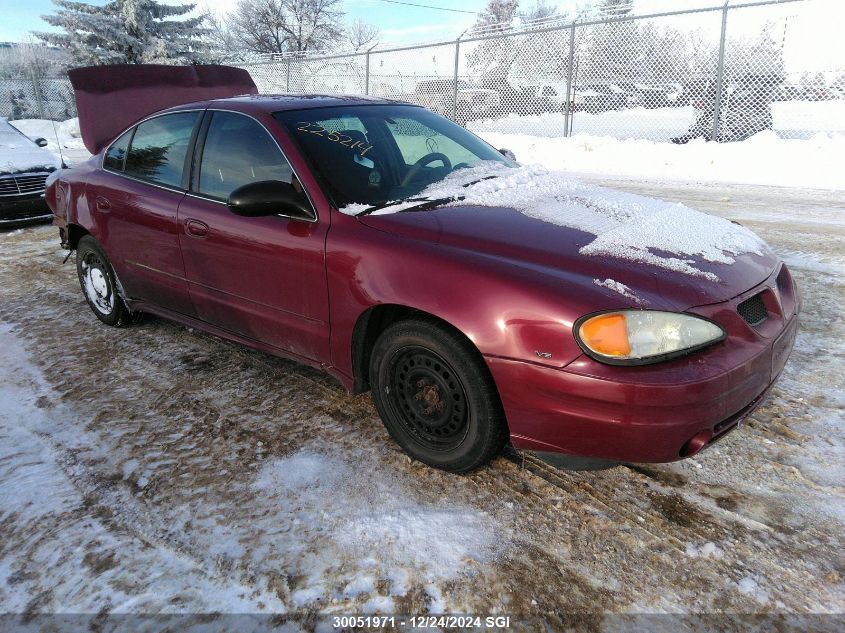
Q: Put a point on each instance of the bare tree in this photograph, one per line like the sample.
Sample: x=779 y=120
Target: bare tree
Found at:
x=492 y=58
x=539 y=11
x=223 y=42
x=498 y=15
x=615 y=8
x=361 y=36
x=281 y=26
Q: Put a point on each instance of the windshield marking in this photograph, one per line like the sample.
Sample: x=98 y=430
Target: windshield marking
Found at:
x=337 y=137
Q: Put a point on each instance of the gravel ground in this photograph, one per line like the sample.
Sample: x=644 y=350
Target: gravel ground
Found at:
x=160 y=469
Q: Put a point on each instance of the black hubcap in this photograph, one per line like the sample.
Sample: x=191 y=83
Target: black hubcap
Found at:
x=428 y=398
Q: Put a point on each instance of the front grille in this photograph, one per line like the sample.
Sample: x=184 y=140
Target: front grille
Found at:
x=22 y=184
x=753 y=310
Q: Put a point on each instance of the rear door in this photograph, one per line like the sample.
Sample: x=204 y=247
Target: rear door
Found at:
x=261 y=278
x=137 y=196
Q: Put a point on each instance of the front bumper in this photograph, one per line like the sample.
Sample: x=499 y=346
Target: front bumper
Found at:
x=656 y=413
x=24 y=210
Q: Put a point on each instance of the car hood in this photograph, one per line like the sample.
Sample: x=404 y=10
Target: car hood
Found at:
x=111 y=98
x=17 y=155
x=609 y=240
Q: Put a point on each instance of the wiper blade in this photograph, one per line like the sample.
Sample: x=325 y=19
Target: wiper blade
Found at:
x=425 y=203
x=385 y=205
x=431 y=203
x=475 y=182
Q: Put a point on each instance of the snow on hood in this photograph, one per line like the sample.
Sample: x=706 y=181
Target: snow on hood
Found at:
x=626 y=226
x=19 y=154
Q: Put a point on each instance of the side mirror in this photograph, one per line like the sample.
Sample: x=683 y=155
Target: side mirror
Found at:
x=269 y=197
x=40 y=141
x=508 y=154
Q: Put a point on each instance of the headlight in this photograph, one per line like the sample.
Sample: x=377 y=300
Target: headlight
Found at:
x=639 y=337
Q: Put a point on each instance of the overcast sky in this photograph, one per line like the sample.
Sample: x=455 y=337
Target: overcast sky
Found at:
x=812 y=28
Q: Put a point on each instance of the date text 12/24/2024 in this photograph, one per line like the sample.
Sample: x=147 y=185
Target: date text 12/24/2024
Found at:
x=422 y=621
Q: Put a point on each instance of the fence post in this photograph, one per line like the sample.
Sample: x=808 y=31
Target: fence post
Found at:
x=367 y=74
x=36 y=91
x=570 y=89
x=367 y=70
x=720 y=74
x=455 y=77
x=287 y=77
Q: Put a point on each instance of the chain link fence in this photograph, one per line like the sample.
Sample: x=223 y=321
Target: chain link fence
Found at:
x=724 y=72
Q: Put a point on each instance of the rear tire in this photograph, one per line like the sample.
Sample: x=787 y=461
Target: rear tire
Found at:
x=436 y=397
x=99 y=284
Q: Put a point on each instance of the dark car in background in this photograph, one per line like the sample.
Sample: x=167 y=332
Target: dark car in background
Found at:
x=443 y=96
x=24 y=167
x=600 y=98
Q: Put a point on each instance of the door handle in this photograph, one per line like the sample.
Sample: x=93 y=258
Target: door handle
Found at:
x=102 y=203
x=195 y=228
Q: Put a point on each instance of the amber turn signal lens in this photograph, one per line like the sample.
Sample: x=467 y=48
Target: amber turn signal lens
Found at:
x=644 y=336
x=607 y=334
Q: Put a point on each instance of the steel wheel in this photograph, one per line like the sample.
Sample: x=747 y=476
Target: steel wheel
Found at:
x=435 y=395
x=96 y=283
x=428 y=398
x=99 y=284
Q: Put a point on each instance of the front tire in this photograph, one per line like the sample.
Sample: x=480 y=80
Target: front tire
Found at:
x=99 y=284
x=436 y=396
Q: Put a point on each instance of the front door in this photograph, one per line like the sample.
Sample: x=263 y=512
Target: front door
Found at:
x=261 y=278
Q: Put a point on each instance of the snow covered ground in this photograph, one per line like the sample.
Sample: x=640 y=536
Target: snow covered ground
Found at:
x=764 y=159
x=156 y=468
x=806 y=148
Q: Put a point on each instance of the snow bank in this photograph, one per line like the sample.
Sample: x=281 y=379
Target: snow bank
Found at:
x=626 y=226
x=790 y=119
x=764 y=159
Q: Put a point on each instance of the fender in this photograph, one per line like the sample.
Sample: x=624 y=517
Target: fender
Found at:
x=504 y=311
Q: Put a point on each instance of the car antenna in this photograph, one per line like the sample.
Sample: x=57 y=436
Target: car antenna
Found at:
x=58 y=144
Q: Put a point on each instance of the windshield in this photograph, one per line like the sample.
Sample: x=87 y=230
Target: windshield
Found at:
x=373 y=154
x=11 y=138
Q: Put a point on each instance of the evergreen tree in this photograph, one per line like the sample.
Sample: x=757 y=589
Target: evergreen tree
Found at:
x=126 y=32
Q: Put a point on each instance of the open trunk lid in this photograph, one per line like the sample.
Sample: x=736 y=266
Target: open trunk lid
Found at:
x=111 y=98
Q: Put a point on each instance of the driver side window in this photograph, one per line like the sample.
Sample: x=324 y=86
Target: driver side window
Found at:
x=416 y=140
x=237 y=151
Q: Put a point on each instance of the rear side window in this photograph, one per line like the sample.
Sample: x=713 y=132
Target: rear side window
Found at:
x=238 y=151
x=116 y=155
x=159 y=148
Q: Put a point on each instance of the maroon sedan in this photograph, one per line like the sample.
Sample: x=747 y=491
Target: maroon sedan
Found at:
x=480 y=301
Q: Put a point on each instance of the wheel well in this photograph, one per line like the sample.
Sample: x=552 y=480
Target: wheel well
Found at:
x=370 y=325
x=74 y=234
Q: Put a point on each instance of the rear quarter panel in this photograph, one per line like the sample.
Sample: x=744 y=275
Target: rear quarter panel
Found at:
x=66 y=196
